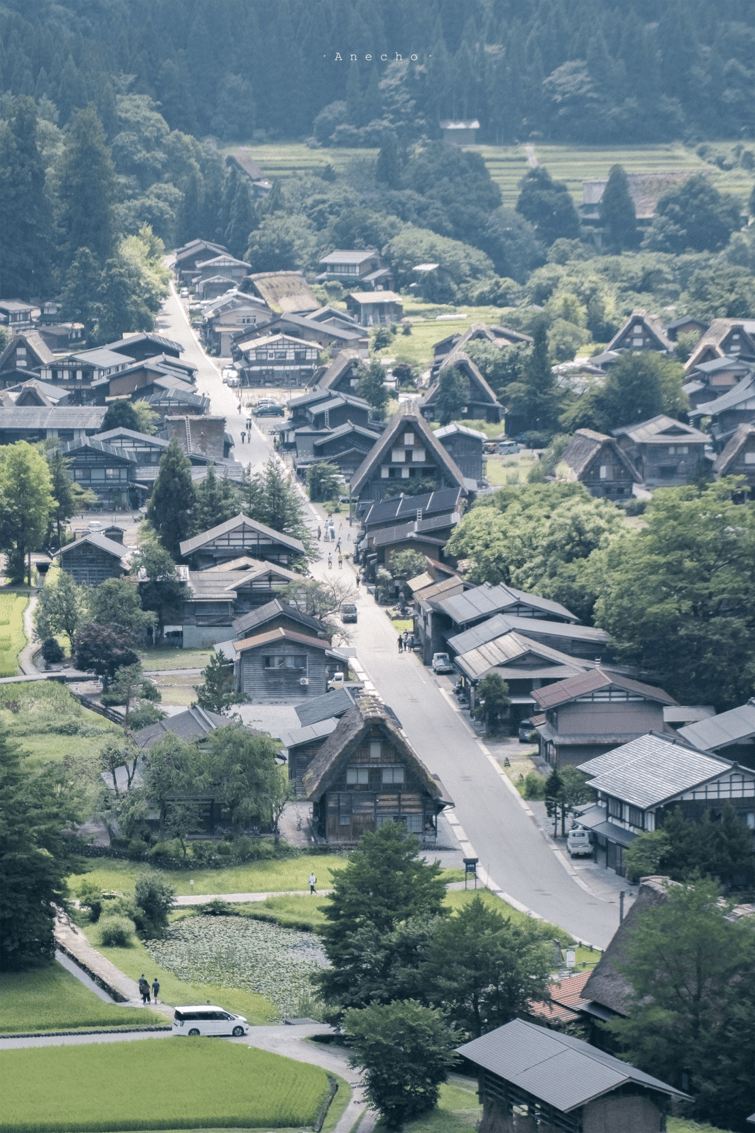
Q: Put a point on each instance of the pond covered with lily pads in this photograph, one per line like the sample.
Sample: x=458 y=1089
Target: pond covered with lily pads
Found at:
x=237 y=952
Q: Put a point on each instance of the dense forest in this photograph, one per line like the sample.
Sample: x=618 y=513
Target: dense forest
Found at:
x=596 y=71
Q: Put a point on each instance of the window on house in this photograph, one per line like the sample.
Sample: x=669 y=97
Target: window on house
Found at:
x=750 y=458
x=604 y=471
x=414 y=823
x=615 y=808
x=385 y=472
x=398 y=456
x=375 y=749
x=635 y=817
x=408 y=438
x=406 y=473
x=286 y=661
x=357 y=775
x=418 y=454
x=392 y=775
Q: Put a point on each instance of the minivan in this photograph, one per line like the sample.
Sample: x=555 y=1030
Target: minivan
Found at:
x=348 y=612
x=207 y=1019
x=579 y=842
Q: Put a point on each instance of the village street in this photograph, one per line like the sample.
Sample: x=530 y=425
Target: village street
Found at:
x=489 y=818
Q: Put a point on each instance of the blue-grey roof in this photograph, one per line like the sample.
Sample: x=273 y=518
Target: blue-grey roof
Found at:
x=652 y=769
x=406 y=507
x=530 y=627
x=718 y=731
x=741 y=392
x=555 y=1068
x=332 y=704
x=295 y=736
x=487 y=599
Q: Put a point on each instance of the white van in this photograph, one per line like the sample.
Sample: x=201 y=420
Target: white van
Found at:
x=579 y=842
x=207 y=1019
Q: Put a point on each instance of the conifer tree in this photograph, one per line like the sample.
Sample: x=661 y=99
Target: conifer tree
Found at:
x=242 y=220
x=80 y=296
x=617 y=212
x=88 y=190
x=25 y=215
x=172 y=501
x=215 y=501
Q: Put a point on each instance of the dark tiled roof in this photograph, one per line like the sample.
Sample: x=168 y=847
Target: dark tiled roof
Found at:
x=264 y=614
x=718 y=731
x=272 y=635
x=192 y=724
x=586 y=445
x=334 y=703
x=190 y=545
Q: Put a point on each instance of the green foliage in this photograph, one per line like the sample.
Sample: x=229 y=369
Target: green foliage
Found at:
x=66 y=494
x=638 y=386
x=170 y=506
x=417 y=245
x=407 y=564
x=26 y=502
x=371 y=386
x=643 y=858
x=405 y=1051
x=719 y=848
x=215 y=501
x=282 y=243
x=116 y=602
x=121 y=414
x=103 y=649
x=87 y=190
x=323 y=481
x=676 y=595
x=217 y=693
x=34 y=856
x=209 y=1085
x=482 y=969
x=116 y=931
x=52 y=999
x=160 y=589
x=25 y=210
x=241 y=769
x=548 y=206
x=693 y=999
x=617 y=211
x=493 y=700
x=693 y=217
x=154 y=897
x=269 y=497
x=61 y=608
x=452 y=395
x=534 y=398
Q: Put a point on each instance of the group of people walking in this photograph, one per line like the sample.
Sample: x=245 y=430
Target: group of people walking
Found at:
x=405 y=641
x=144 y=989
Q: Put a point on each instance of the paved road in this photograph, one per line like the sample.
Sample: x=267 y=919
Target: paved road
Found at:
x=488 y=814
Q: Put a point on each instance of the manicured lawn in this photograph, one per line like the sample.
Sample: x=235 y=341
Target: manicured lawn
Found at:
x=682 y=1125
x=46 y=721
x=165 y=1084
x=254 y=877
x=52 y=999
x=12 y=636
x=154 y=660
x=177 y=689
x=458 y=1111
x=136 y=959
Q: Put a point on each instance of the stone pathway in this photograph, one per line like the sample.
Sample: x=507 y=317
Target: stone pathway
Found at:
x=25 y=657
x=243 y=898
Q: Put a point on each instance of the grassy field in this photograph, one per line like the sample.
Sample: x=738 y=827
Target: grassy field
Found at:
x=292 y=159
x=155 y=660
x=52 y=999
x=134 y=960
x=164 y=1084
x=49 y=723
x=12 y=636
x=457 y=1111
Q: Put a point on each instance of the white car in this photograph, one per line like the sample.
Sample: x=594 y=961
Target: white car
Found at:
x=207 y=1019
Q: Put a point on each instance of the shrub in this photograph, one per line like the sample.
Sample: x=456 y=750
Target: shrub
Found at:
x=90 y=896
x=154 y=896
x=116 y=932
x=534 y=786
x=51 y=651
x=217 y=908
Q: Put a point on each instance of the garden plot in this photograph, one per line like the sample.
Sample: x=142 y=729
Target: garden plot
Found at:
x=237 y=952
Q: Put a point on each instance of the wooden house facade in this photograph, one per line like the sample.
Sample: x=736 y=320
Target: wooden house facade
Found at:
x=216 y=598
x=738 y=458
x=482 y=402
x=280 y=666
x=465 y=447
x=595 y=460
x=375 y=308
x=365 y=774
x=641 y=331
x=278 y=360
x=241 y=536
x=365 y=267
x=107 y=471
x=408 y=456
x=93 y=559
x=734 y=408
x=665 y=452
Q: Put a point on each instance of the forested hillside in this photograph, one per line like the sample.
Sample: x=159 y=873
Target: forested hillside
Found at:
x=596 y=71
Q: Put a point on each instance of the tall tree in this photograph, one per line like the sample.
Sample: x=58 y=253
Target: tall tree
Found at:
x=693 y=217
x=103 y=649
x=25 y=212
x=371 y=386
x=452 y=396
x=80 y=297
x=547 y=204
x=215 y=501
x=26 y=502
x=61 y=608
x=241 y=770
x=36 y=805
x=170 y=506
x=617 y=212
x=217 y=692
x=160 y=589
x=242 y=220
x=66 y=493
x=88 y=190
x=535 y=397
x=120 y=415
x=116 y=602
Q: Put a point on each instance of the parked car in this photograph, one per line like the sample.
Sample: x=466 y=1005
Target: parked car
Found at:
x=348 y=612
x=95 y=526
x=506 y=448
x=579 y=842
x=441 y=663
x=268 y=411
x=207 y=1019
x=338 y=680
x=526 y=728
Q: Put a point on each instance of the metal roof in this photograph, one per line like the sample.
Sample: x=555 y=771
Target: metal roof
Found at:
x=717 y=731
x=109 y=546
x=339 y=257
x=649 y=770
x=453 y=429
x=590 y=682
x=742 y=391
x=487 y=599
x=530 y=627
x=660 y=430
x=295 y=736
x=406 y=507
x=555 y=1068
x=507 y=650
x=190 y=545
x=370 y=298
x=51 y=417
x=332 y=705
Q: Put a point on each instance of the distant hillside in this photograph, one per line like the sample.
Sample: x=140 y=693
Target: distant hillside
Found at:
x=585 y=71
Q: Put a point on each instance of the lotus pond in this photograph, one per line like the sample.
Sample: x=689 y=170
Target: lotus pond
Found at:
x=236 y=952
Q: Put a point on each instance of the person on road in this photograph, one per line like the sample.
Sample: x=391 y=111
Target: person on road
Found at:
x=155 y=988
x=340 y=560
x=319 y=534
x=338 y=544
x=144 y=988
x=312 y=883
x=400 y=644
x=330 y=560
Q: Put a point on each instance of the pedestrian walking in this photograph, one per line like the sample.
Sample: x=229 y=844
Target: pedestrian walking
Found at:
x=155 y=988
x=330 y=561
x=400 y=644
x=248 y=422
x=144 y=988
x=340 y=560
x=319 y=534
x=338 y=544
x=406 y=638
x=312 y=883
